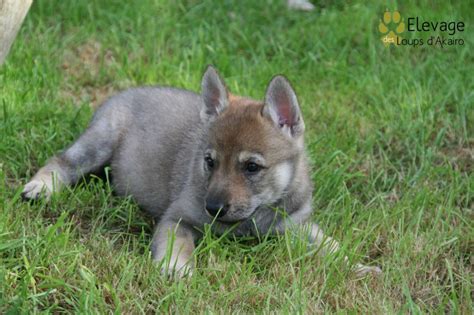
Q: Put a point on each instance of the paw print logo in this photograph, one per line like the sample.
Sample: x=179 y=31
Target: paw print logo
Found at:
x=391 y=26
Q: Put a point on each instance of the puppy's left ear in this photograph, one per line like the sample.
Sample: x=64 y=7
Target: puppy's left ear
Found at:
x=214 y=94
x=281 y=106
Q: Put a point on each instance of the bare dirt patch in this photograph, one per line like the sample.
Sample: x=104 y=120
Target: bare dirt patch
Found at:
x=87 y=69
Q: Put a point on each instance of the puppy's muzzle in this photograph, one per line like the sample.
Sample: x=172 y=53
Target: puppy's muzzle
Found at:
x=216 y=208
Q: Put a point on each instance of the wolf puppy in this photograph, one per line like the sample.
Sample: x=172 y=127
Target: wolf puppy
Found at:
x=191 y=160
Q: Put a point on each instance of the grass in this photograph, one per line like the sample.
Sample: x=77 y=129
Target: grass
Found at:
x=389 y=133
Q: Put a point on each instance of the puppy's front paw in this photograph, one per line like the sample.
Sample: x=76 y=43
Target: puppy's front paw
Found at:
x=177 y=272
x=36 y=188
x=172 y=248
x=362 y=270
x=177 y=265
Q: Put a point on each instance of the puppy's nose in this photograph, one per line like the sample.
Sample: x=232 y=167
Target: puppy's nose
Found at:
x=216 y=208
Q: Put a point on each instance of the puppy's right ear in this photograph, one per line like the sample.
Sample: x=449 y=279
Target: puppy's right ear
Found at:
x=214 y=93
x=281 y=106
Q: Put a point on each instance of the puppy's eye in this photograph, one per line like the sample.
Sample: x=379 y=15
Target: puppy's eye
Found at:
x=209 y=161
x=252 y=168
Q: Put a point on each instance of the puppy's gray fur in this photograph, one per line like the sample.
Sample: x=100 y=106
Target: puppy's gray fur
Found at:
x=157 y=141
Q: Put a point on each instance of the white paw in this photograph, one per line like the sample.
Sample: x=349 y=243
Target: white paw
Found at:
x=39 y=186
x=362 y=270
x=177 y=271
x=176 y=266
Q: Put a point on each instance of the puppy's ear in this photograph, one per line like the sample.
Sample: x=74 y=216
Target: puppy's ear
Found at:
x=281 y=106
x=214 y=93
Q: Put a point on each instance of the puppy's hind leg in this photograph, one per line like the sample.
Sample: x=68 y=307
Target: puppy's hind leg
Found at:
x=48 y=179
x=325 y=244
x=88 y=154
x=329 y=245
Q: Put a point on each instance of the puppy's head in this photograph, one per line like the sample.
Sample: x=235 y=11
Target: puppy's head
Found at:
x=253 y=147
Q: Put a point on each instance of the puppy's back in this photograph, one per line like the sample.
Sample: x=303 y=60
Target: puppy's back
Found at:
x=153 y=123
